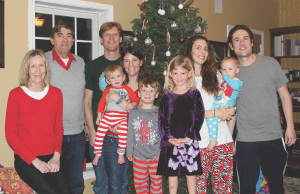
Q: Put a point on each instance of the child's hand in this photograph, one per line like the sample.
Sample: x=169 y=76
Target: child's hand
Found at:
x=174 y=142
x=99 y=117
x=96 y=160
x=155 y=159
x=130 y=158
x=212 y=144
x=129 y=107
x=114 y=128
x=184 y=140
x=98 y=120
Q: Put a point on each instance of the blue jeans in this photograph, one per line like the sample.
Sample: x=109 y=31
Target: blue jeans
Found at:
x=73 y=149
x=111 y=177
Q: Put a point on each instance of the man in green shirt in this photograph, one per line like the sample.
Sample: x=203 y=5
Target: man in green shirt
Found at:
x=111 y=177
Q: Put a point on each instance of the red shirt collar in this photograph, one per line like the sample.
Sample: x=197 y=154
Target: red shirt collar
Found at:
x=60 y=62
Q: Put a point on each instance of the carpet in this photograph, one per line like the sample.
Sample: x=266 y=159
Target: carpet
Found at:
x=291 y=185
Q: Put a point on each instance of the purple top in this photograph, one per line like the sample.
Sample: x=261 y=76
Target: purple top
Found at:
x=180 y=115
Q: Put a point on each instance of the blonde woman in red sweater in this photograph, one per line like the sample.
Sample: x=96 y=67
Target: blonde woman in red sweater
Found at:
x=33 y=126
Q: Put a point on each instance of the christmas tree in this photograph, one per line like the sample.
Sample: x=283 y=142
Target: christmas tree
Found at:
x=163 y=30
x=161 y=33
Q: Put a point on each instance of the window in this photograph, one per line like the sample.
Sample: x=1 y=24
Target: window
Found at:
x=86 y=18
x=82 y=27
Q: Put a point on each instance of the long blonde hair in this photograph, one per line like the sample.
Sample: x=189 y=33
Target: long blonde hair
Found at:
x=24 y=69
x=184 y=62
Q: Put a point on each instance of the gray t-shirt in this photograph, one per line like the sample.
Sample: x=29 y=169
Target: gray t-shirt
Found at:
x=258 y=117
x=143 y=139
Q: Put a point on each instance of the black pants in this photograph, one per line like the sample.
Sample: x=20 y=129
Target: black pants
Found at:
x=42 y=183
x=270 y=155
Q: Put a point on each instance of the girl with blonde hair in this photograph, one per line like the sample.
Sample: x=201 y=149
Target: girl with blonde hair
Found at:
x=180 y=118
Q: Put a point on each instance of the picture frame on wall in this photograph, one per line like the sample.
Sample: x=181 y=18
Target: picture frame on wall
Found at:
x=220 y=50
x=127 y=37
x=2 y=34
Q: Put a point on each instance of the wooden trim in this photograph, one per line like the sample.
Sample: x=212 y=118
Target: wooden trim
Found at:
x=284 y=30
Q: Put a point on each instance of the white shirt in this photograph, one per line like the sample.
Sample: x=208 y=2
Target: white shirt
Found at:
x=224 y=135
x=65 y=61
x=36 y=95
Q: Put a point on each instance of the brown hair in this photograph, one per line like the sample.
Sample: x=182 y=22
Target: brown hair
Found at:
x=143 y=72
x=114 y=67
x=209 y=68
x=24 y=69
x=236 y=28
x=109 y=25
x=184 y=62
x=150 y=81
x=60 y=25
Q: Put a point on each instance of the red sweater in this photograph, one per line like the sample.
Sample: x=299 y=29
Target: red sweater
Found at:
x=34 y=127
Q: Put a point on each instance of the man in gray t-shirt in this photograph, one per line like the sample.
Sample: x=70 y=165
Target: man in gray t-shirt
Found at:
x=259 y=139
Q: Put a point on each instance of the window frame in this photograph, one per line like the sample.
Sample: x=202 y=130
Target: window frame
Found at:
x=100 y=13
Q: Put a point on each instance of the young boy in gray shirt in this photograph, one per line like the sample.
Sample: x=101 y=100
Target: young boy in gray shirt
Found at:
x=143 y=139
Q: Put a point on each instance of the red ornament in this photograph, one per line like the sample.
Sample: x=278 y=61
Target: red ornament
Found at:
x=181 y=39
x=142 y=7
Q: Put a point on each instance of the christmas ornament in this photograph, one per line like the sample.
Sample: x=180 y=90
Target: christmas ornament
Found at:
x=181 y=39
x=153 y=63
x=142 y=7
x=148 y=41
x=168 y=36
x=198 y=29
x=172 y=9
x=144 y=25
x=174 y=25
x=161 y=12
x=180 y=6
x=165 y=72
x=135 y=39
x=168 y=53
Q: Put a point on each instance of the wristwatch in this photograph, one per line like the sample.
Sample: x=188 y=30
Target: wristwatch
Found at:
x=120 y=100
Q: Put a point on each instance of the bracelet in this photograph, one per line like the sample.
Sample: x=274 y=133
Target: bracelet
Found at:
x=120 y=100
x=214 y=113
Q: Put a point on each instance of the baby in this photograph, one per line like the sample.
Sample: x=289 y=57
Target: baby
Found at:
x=228 y=93
x=114 y=114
